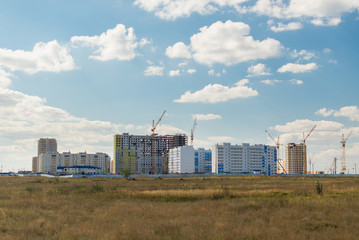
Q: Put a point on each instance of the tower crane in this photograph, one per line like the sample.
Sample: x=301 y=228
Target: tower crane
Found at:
x=305 y=150
x=333 y=167
x=277 y=145
x=192 y=130
x=153 y=129
x=344 y=167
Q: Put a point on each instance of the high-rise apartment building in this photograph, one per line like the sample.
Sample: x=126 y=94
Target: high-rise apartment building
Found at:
x=181 y=160
x=294 y=163
x=202 y=160
x=133 y=153
x=44 y=145
x=245 y=158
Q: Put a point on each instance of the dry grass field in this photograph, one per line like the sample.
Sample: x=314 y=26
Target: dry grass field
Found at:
x=170 y=208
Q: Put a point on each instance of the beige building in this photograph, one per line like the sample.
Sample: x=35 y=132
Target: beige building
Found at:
x=44 y=145
x=34 y=165
x=50 y=162
x=294 y=163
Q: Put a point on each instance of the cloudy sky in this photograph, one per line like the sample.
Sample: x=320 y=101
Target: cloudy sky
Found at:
x=81 y=71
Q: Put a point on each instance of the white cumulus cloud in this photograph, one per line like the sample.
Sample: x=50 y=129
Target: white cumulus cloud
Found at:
x=302 y=54
x=205 y=117
x=154 y=71
x=326 y=21
x=173 y=73
x=270 y=82
x=322 y=12
x=258 y=70
x=212 y=72
x=319 y=12
x=5 y=80
x=44 y=57
x=327 y=50
x=116 y=43
x=351 y=112
x=178 y=50
x=298 y=68
x=171 y=10
x=229 y=43
x=305 y=125
x=286 y=27
x=325 y=112
x=214 y=93
x=191 y=70
x=182 y=64
x=296 y=82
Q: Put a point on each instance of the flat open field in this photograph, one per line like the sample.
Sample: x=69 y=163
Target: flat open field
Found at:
x=170 y=208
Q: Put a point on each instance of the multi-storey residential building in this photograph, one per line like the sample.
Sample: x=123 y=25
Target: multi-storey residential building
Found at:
x=49 y=162
x=44 y=145
x=181 y=160
x=34 y=165
x=245 y=158
x=202 y=160
x=133 y=153
x=294 y=163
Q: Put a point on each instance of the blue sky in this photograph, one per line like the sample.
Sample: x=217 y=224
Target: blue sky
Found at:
x=81 y=71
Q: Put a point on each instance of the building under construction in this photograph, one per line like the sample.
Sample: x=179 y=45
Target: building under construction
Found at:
x=134 y=154
x=294 y=162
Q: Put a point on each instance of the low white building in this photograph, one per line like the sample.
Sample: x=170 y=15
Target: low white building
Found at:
x=245 y=158
x=202 y=160
x=181 y=160
x=49 y=162
x=87 y=170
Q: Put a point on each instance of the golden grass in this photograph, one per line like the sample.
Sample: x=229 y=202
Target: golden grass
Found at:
x=215 y=208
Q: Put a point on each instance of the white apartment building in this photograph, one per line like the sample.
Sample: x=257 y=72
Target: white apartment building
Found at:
x=181 y=160
x=244 y=158
x=49 y=162
x=202 y=160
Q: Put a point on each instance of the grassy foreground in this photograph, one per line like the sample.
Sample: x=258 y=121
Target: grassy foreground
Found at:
x=193 y=208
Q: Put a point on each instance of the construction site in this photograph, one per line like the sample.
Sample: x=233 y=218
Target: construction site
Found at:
x=149 y=154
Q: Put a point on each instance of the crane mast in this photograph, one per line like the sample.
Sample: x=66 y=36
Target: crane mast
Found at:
x=305 y=150
x=153 y=129
x=343 y=142
x=192 y=130
x=333 y=167
x=277 y=146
